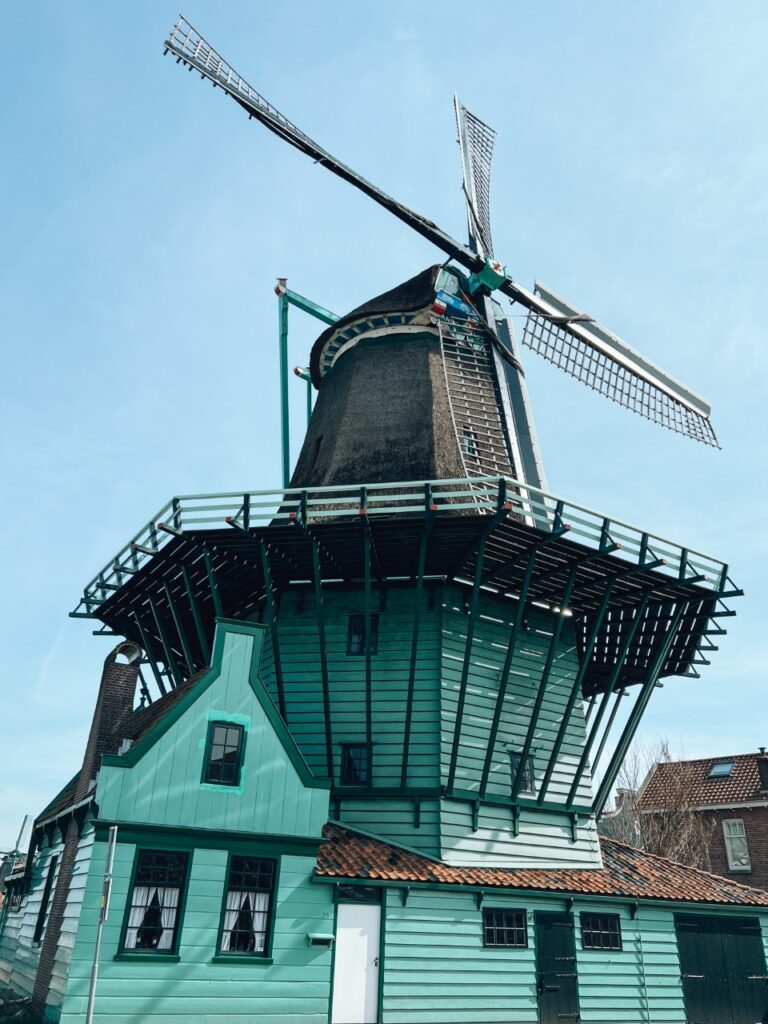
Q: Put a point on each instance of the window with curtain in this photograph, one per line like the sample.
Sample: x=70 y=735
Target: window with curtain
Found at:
x=736 y=846
x=225 y=753
x=153 y=916
x=356 y=634
x=248 y=906
x=355 y=764
x=527 y=782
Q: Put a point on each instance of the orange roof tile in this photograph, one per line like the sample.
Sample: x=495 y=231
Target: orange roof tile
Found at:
x=627 y=873
x=742 y=785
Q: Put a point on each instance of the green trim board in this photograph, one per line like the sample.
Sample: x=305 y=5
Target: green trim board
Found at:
x=195 y=689
x=175 y=837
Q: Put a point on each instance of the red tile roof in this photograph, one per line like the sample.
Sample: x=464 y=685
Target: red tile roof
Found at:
x=627 y=873
x=741 y=786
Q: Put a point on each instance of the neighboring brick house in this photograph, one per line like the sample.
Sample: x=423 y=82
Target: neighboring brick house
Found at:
x=731 y=793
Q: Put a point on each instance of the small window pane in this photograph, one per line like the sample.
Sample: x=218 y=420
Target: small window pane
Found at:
x=721 y=770
x=600 y=931
x=247 y=906
x=355 y=764
x=526 y=783
x=505 y=928
x=356 y=634
x=155 y=899
x=225 y=746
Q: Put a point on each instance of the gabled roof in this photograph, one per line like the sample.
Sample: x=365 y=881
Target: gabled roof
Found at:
x=63 y=799
x=628 y=873
x=740 y=786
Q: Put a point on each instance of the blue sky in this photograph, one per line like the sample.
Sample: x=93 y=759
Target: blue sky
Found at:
x=144 y=221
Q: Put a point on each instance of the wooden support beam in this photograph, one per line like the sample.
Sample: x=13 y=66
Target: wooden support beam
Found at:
x=423 y=545
x=202 y=639
x=573 y=696
x=607 y=730
x=317 y=579
x=638 y=710
x=503 y=508
x=367 y=633
x=169 y=658
x=491 y=574
x=149 y=653
x=272 y=615
x=610 y=687
x=215 y=596
x=185 y=648
x=543 y=683
x=507 y=667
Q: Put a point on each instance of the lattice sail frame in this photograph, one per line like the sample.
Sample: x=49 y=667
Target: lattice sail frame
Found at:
x=477 y=140
x=604 y=373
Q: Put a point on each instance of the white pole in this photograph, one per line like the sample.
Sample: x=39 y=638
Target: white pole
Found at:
x=105 y=894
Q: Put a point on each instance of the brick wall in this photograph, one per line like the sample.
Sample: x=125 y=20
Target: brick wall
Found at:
x=110 y=725
x=756 y=827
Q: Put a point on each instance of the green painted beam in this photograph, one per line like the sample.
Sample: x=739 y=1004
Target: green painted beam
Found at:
x=185 y=648
x=307 y=306
x=325 y=681
x=145 y=643
x=608 y=729
x=169 y=657
x=506 y=669
x=610 y=687
x=543 y=683
x=573 y=696
x=423 y=545
x=273 y=628
x=367 y=614
x=202 y=639
x=638 y=710
x=215 y=596
x=285 y=425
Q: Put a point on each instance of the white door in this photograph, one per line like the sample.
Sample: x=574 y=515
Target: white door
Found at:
x=356 y=967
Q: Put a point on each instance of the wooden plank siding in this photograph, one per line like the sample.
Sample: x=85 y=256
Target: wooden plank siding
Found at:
x=294 y=989
x=544 y=839
x=19 y=954
x=165 y=787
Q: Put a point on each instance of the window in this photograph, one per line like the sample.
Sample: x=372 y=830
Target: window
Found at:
x=225 y=754
x=736 y=848
x=15 y=898
x=356 y=634
x=153 y=915
x=721 y=770
x=248 y=905
x=600 y=931
x=40 y=923
x=526 y=783
x=355 y=764
x=505 y=928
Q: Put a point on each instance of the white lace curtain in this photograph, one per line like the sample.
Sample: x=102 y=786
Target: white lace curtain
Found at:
x=143 y=897
x=258 y=903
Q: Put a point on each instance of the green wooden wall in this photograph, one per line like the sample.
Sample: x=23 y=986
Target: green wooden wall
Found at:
x=164 y=787
x=71 y=918
x=437 y=970
x=294 y=989
x=445 y=827
x=19 y=955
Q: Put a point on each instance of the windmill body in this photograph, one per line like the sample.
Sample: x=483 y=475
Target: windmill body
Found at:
x=383 y=707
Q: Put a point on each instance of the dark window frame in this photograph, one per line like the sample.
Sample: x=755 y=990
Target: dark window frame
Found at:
x=240 y=750
x=15 y=895
x=528 y=785
x=500 y=924
x=600 y=933
x=45 y=899
x=356 y=634
x=726 y=769
x=271 y=890
x=346 y=748
x=183 y=887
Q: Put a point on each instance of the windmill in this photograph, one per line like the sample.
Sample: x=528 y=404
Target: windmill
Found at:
x=554 y=328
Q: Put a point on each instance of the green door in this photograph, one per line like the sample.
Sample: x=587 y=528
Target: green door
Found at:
x=556 y=968
x=723 y=969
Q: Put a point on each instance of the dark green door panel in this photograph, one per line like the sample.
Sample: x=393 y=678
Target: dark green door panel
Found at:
x=556 y=968
x=723 y=969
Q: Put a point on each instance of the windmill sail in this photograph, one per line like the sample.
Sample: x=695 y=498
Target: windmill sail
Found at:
x=554 y=329
x=476 y=140
x=601 y=360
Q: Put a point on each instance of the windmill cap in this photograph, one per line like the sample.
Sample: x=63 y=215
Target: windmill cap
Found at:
x=416 y=293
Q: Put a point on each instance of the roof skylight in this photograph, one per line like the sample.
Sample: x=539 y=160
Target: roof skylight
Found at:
x=721 y=770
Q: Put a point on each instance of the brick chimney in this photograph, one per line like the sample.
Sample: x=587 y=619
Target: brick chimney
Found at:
x=109 y=726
